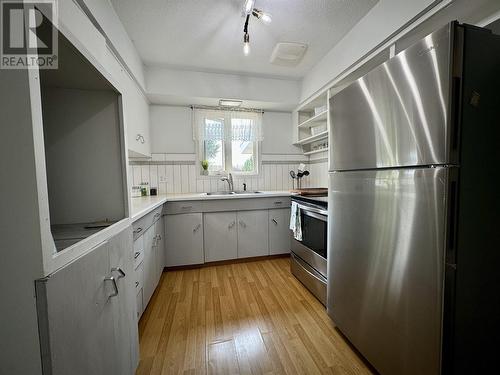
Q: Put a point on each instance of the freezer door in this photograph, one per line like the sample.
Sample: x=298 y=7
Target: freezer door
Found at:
x=398 y=114
x=385 y=265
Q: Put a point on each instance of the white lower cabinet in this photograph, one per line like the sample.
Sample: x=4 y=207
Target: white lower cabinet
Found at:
x=149 y=260
x=279 y=231
x=139 y=303
x=184 y=240
x=86 y=313
x=221 y=237
x=139 y=285
x=149 y=275
x=160 y=249
x=253 y=233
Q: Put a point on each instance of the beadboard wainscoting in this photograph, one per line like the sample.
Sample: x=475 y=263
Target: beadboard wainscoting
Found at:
x=175 y=173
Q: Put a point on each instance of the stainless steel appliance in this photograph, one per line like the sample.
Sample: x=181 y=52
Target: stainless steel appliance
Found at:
x=413 y=259
x=309 y=256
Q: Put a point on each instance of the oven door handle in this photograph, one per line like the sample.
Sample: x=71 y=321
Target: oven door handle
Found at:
x=313 y=209
x=315 y=215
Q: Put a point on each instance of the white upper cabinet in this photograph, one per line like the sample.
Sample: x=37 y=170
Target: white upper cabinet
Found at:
x=221 y=240
x=253 y=233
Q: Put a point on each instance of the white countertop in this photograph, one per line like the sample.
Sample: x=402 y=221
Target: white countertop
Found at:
x=142 y=205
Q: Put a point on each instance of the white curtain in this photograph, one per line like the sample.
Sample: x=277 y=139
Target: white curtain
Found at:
x=227 y=125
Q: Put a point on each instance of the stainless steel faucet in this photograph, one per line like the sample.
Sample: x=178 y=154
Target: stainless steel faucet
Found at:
x=229 y=180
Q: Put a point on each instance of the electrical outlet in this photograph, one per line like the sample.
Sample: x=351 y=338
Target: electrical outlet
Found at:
x=163 y=178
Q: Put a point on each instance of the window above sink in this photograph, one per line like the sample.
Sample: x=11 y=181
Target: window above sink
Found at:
x=228 y=141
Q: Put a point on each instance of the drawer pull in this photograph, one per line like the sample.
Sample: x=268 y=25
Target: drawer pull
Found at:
x=136 y=284
x=136 y=255
x=278 y=202
x=186 y=207
x=156 y=215
x=138 y=230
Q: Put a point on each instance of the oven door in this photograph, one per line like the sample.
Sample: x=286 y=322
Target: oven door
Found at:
x=312 y=248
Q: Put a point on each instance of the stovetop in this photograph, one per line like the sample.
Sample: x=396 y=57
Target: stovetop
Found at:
x=321 y=201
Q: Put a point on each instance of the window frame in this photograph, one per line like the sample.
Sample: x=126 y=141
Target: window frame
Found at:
x=227 y=157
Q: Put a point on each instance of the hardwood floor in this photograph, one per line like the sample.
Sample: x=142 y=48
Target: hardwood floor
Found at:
x=244 y=318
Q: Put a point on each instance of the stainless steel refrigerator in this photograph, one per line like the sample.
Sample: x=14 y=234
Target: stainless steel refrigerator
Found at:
x=414 y=229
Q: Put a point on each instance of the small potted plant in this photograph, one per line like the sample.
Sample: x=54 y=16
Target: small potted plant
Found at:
x=204 y=165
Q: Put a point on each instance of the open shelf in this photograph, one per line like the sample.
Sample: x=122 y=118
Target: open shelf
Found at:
x=313 y=138
x=320 y=117
x=316 y=151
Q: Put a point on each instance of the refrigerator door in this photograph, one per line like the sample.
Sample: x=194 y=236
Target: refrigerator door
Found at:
x=385 y=265
x=398 y=114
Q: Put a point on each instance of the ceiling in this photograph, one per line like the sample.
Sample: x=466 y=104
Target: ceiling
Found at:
x=208 y=35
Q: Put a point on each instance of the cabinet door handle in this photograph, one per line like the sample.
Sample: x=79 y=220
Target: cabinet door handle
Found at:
x=138 y=230
x=119 y=270
x=275 y=221
x=196 y=228
x=242 y=223
x=136 y=255
x=136 y=284
x=140 y=138
x=231 y=225
x=115 y=287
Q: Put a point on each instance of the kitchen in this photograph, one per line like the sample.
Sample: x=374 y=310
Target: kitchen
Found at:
x=249 y=187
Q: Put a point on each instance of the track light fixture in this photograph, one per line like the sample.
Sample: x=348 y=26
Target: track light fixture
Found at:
x=246 y=44
x=261 y=15
x=248 y=10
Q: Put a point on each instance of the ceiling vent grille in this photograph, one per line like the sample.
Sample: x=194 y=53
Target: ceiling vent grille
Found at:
x=288 y=54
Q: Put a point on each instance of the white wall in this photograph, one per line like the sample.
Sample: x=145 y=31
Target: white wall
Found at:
x=20 y=236
x=278 y=133
x=183 y=87
x=75 y=122
x=385 y=18
x=171 y=131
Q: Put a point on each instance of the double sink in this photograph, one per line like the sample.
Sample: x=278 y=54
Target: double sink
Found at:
x=233 y=192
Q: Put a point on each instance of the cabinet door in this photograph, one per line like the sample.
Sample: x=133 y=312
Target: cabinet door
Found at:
x=253 y=235
x=160 y=249
x=184 y=240
x=279 y=231
x=221 y=238
x=149 y=268
x=124 y=305
x=76 y=319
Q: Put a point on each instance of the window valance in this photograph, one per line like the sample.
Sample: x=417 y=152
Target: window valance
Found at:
x=227 y=125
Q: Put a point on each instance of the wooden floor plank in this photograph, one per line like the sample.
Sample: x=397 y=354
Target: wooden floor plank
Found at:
x=243 y=318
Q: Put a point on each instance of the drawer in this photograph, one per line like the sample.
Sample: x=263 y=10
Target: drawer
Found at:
x=138 y=251
x=139 y=304
x=183 y=207
x=246 y=204
x=140 y=225
x=311 y=279
x=139 y=277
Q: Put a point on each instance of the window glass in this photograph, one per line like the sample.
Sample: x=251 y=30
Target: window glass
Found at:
x=214 y=153
x=243 y=156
